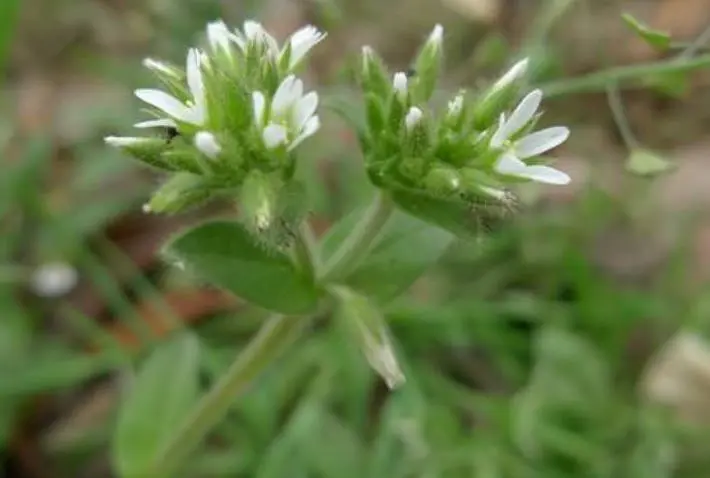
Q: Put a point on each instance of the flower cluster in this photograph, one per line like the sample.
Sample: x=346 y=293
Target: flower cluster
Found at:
x=471 y=150
x=236 y=108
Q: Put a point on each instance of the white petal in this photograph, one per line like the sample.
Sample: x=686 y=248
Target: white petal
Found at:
x=514 y=73
x=523 y=113
x=304 y=109
x=274 y=135
x=119 y=141
x=207 y=144
x=309 y=129
x=156 y=123
x=414 y=115
x=286 y=94
x=195 y=83
x=302 y=41
x=545 y=174
x=541 y=141
x=253 y=30
x=166 y=103
x=218 y=35
x=258 y=103
x=509 y=164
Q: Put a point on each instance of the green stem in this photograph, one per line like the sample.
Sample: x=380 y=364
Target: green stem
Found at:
x=304 y=250
x=596 y=81
x=275 y=335
x=358 y=243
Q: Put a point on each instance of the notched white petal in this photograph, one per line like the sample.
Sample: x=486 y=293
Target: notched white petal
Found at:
x=156 y=123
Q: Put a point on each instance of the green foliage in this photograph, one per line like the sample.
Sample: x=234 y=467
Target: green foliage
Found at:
x=226 y=255
x=163 y=391
x=657 y=39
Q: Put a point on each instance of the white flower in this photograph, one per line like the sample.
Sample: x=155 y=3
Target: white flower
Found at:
x=254 y=33
x=301 y=43
x=510 y=161
x=219 y=36
x=399 y=82
x=414 y=115
x=291 y=117
x=53 y=279
x=193 y=112
x=207 y=144
x=516 y=72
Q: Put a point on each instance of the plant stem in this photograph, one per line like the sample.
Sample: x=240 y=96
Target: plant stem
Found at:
x=358 y=243
x=275 y=335
x=597 y=81
x=304 y=250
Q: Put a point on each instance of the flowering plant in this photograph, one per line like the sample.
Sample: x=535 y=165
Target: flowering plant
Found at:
x=238 y=116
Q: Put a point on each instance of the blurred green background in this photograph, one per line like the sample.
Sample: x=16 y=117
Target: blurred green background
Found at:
x=537 y=351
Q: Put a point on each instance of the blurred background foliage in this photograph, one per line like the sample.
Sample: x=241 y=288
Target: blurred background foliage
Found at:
x=526 y=351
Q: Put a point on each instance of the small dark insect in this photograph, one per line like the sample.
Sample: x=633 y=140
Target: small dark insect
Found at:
x=170 y=134
x=411 y=72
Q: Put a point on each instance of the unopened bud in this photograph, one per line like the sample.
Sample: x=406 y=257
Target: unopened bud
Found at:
x=414 y=116
x=400 y=85
x=207 y=144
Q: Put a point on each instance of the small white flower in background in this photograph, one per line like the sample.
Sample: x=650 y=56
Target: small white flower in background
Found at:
x=516 y=72
x=219 y=36
x=160 y=67
x=193 y=112
x=53 y=279
x=207 y=144
x=510 y=161
x=414 y=116
x=291 y=118
x=399 y=82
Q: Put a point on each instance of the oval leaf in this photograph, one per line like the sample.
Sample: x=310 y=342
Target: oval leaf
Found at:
x=164 y=390
x=226 y=255
x=405 y=250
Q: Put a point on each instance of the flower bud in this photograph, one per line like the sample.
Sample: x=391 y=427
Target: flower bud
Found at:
x=499 y=96
x=442 y=181
x=259 y=196
x=148 y=151
x=373 y=74
x=399 y=84
x=179 y=193
x=207 y=144
x=428 y=66
x=368 y=329
x=414 y=116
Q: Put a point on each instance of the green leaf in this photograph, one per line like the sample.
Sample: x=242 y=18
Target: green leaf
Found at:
x=658 y=39
x=406 y=249
x=643 y=162
x=164 y=391
x=226 y=255
x=9 y=12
